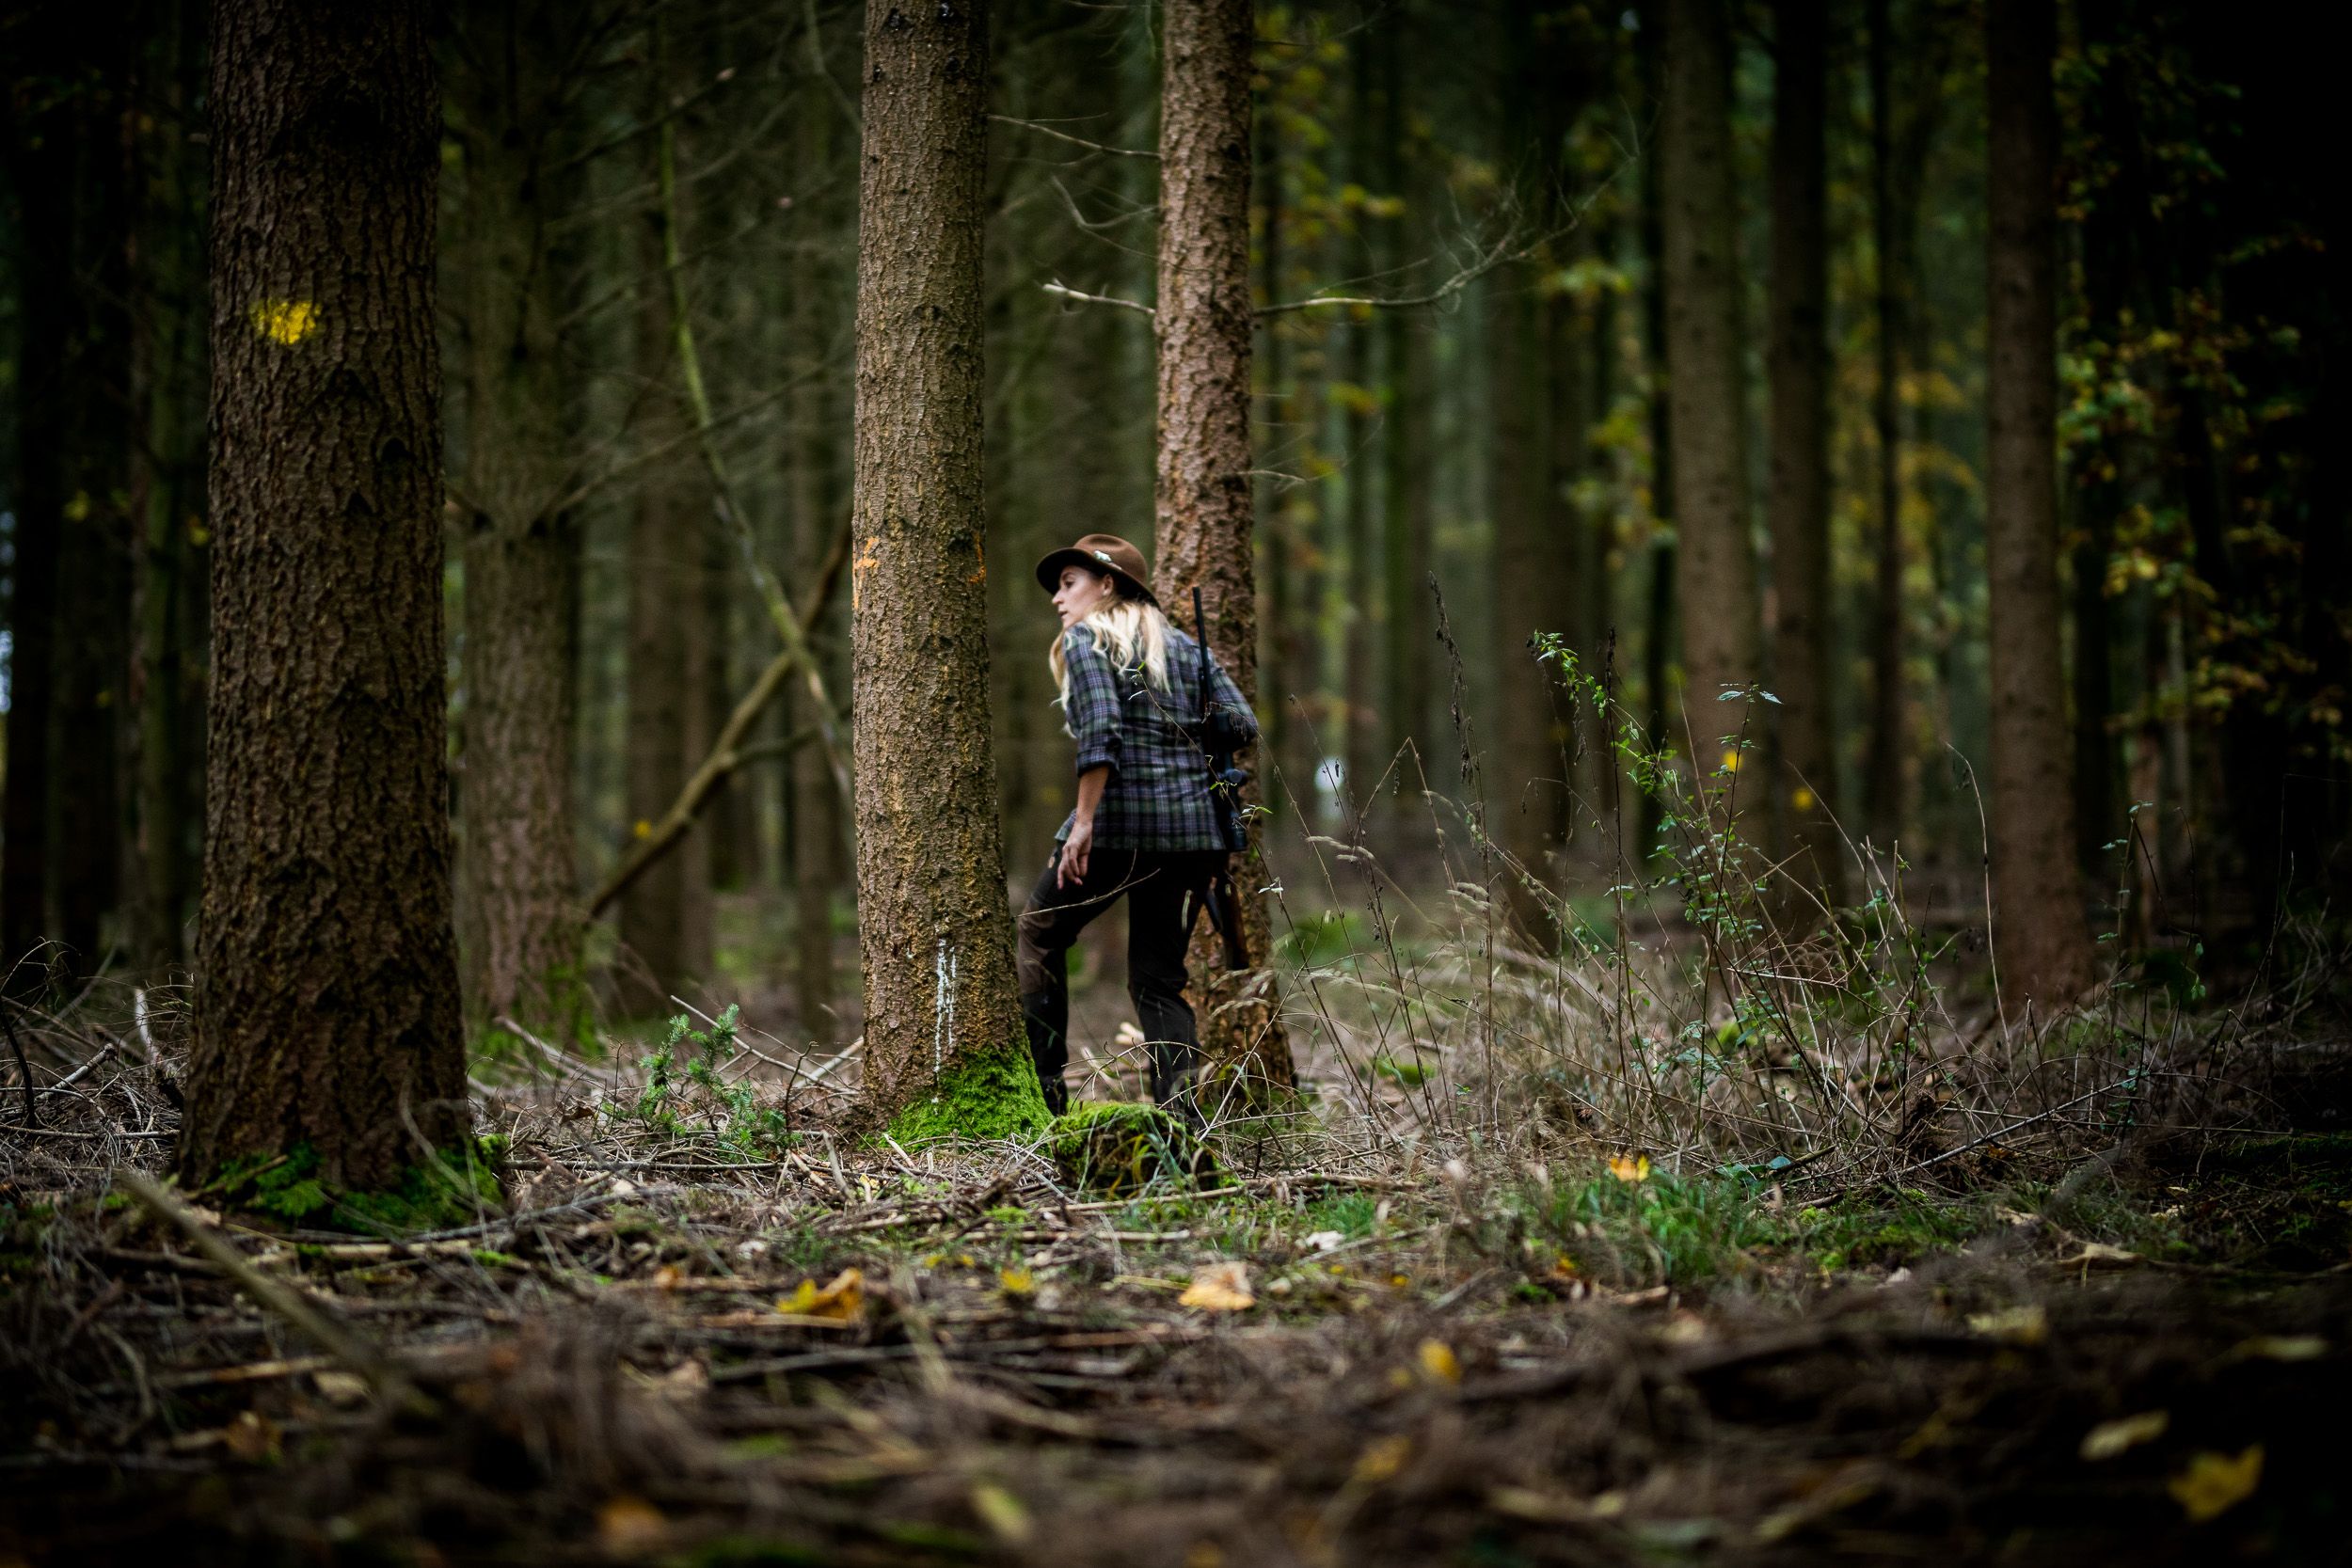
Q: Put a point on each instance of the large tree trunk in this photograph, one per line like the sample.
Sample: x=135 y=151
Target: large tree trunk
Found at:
x=1202 y=494
x=665 y=736
x=2039 y=935
x=518 y=901
x=1891 y=216
x=42 y=158
x=1527 y=798
x=1716 y=566
x=326 y=1002
x=167 y=405
x=814 y=818
x=1799 y=497
x=946 y=1052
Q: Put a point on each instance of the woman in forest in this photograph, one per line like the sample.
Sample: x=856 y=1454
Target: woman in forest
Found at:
x=1147 y=822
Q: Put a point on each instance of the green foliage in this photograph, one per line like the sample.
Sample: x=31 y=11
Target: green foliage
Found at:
x=685 y=1080
x=451 y=1189
x=1122 y=1147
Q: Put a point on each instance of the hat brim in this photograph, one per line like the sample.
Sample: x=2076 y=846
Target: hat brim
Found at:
x=1049 y=572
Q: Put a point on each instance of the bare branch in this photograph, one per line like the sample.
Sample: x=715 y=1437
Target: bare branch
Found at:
x=1075 y=141
x=1058 y=289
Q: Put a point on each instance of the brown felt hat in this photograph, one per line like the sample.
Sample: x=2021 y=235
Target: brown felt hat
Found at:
x=1099 y=552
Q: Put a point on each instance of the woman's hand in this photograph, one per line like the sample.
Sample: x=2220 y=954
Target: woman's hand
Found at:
x=1072 y=865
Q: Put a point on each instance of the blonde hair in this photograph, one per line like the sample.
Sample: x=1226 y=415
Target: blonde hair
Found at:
x=1131 y=633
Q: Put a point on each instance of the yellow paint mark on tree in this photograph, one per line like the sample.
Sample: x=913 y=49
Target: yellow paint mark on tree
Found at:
x=286 y=322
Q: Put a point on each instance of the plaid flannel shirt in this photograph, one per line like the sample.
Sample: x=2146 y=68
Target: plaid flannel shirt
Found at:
x=1158 y=797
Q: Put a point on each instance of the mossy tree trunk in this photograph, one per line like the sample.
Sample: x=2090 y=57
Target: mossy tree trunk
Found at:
x=945 y=1051
x=2039 y=936
x=327 y=1008
x=1203 y=323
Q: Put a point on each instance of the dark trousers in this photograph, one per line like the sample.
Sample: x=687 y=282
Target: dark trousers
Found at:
x=1158 y=885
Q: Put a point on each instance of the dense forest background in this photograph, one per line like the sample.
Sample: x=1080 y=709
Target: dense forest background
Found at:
x=1462 y=252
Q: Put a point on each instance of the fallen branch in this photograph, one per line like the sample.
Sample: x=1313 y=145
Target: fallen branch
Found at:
x=726 y=754
x=387 y=1381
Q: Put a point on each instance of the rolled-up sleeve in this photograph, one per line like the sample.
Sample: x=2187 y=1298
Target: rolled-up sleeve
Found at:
x=1093 y=711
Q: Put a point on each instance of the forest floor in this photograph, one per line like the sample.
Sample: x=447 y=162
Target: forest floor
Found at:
x=668 y=1351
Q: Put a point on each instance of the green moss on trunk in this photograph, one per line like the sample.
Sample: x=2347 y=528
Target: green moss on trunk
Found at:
x=985 y=1095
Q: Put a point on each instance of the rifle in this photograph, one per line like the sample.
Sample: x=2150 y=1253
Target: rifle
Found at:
x=1219 y=743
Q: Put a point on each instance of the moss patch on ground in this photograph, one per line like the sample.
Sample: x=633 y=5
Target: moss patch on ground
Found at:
x=1117 y=1147
x=988 y=1094
x=455 y=1188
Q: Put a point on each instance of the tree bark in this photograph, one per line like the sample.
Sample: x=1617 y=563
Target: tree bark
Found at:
x=815 y=802
x=1891 y=216
x=946 y=1052
x=1202 y=497
x=659 y=915
x=327 y=1008
x=517 y=875
x=42 y=155
x=1800 y=498
x=2039 y=935
x=1716 y=575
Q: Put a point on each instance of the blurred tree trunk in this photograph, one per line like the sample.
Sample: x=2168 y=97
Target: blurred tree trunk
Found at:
x=1799 y=498
x=945 y=1051
x=1281 y=633
x=45 y=148
x=1716 y=558
x=1408 y=491
x=662 y=911
x=1892 y=217
x=166 y=455
x=326 y=1005
x=1660 y=702
x=93 y=644
x=518 y=903
x=1203 y=329
x=2040 y=939
x=815 y=807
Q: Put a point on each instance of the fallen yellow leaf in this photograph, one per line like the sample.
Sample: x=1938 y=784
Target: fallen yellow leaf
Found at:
x=667 y=1277
x=2110 y=1438
x=843 y=1301
x=630 y=1526
x=2215 y=1482
x=1437 y=1360
x=1383 y=1459
x=2019 y=1325
x=1001 y=1512
x=1219 y=1287
x=2278 y=1347
x=252 y=1436
x=1629 y=1167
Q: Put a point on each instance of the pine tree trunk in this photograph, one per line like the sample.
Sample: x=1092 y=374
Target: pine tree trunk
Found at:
x=1526 y=805
x=2038 y=934
x=1202 y=501
x=665 y=580
x=814 y=817
x=519 y=895
x=327 y=1008
x=946 y=1052
x=167 y=406
x=1799 y=498
x=43 y=157
x=1716 y=566
x=1890 y=215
